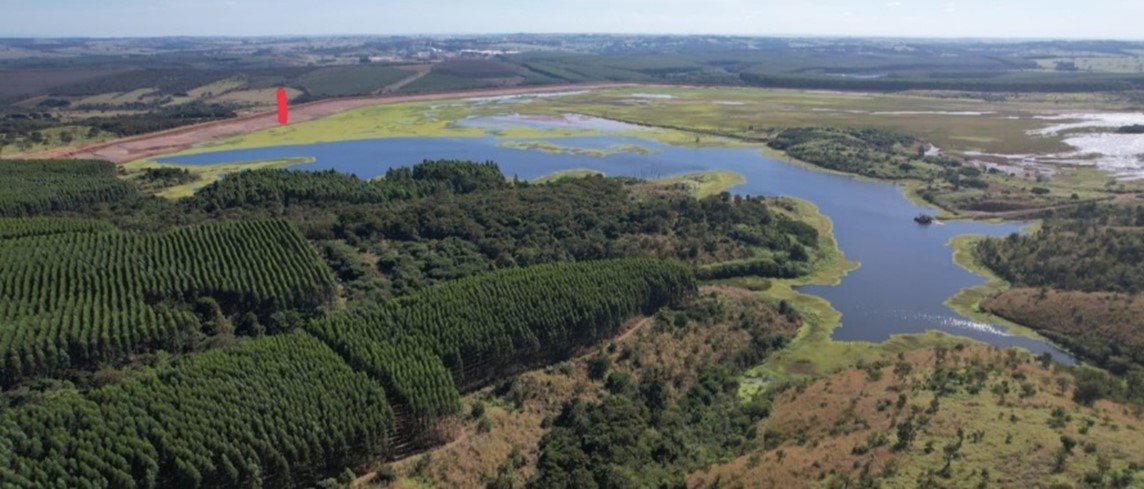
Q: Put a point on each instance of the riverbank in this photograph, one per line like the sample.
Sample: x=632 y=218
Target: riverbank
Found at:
x=536 y=119
x=814 y=352
x=909 y=188
x=175 y=140
x=967 y=302
x=207 y=174
x=699 y=185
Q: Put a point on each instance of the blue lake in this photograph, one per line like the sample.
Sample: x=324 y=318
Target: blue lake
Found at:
x=907 y=270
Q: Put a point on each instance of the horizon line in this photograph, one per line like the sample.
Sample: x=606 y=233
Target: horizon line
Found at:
x=40 y=37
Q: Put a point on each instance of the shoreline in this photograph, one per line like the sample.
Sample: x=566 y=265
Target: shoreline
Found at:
x=415 y=116
x=814 y=352
x=175 y=140
x=208 y=174
x=966 y=302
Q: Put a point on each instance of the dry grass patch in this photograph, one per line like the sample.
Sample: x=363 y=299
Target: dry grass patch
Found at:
x=1005 y=414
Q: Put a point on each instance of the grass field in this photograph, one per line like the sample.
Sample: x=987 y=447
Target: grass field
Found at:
x=79 y=134
x=205 y=174
x=700 y=185
x=553 y=148
x=116 y=98
x=706 y=184
x=398 y=120
x=954 y=124
x=949 y=123
x=256 y=96
x=560 y=175
x=217 y=88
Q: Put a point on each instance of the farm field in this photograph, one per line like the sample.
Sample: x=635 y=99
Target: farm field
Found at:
x=202 y=314
x=260 y=97
x=968 y=130
x=339 y=81
x=957 y=124
x=257 y=125
x=554 y=261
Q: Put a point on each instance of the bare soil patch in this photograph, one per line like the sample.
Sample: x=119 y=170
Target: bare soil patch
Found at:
x=174 y=140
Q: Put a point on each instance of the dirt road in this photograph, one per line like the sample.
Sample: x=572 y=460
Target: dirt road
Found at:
x=178 y=139
x=419 y=72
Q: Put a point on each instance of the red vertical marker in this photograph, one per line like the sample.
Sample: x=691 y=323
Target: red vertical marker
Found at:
x=283 y=108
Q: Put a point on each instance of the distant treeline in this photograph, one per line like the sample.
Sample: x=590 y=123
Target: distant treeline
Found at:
x=998 y=82
x=162 y=119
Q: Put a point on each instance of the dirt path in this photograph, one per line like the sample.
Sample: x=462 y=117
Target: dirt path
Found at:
x=178 y=139
x=419 y=72
x=367 y=478
x=629 y=329
x=639 y=324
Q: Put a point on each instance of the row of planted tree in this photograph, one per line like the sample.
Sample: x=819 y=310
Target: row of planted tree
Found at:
x=282 y=411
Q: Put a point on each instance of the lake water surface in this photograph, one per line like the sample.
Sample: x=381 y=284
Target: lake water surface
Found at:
x=907 y=270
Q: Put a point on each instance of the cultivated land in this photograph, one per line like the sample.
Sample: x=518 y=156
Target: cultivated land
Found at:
x=965 y=129
x=735 y=384
x=166 y=142
x=814 y=353
x=949 y=123
x=700 y=109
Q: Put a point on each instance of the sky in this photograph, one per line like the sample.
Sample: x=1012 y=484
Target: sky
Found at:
x=1100 y=19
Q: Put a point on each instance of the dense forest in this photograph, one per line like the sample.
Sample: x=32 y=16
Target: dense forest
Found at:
x=980 y=81
x=274 y=412
x=445 y=220
x=878 y=154
x=282 y=188
x=1077 y=280
x=1082 y=255
x=40 y=187
x=132 y=434
x=186 y=343
x=82 y=298
x=868 y=152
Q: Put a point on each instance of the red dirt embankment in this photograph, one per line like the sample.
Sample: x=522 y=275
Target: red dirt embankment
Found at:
x=178 y=139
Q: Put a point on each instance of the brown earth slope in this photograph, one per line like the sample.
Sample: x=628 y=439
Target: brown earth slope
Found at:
x=979 y=417
x=174 y=140
x=1102 y=327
